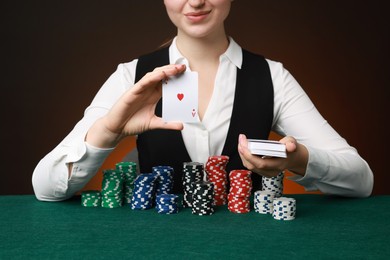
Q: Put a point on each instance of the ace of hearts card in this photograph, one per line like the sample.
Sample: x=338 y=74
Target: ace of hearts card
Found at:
x=180 y=98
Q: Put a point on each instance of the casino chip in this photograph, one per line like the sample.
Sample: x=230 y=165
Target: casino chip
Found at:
x=144 y=191
x=129 y=172
x=273 y=184
x=281 y=208
x=263 y=201
x=240 y=191
x=284 y=208
x=203 y=198
x=91 y=198
x=216 y=173
x=112 y=188
x=192 y=172
x=164 y=183
x=167 y=203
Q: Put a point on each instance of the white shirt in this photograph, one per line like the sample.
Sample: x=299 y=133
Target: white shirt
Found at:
x=334 y=166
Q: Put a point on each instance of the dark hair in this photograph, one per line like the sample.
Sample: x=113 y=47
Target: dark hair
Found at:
x=166 y=43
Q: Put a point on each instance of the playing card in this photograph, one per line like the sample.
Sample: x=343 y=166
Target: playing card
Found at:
x=180 y=98
x=267 y=148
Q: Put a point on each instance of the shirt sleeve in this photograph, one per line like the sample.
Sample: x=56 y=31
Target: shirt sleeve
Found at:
x=334 y=166
x=50 y=179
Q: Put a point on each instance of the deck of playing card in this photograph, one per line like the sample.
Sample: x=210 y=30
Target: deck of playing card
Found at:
x=267 y=148
x=180 y=98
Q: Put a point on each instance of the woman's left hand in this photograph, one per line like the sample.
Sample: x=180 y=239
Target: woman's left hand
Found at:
x=296 y=161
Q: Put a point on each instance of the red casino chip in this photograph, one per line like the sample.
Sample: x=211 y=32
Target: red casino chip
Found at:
x=240 y=191
x=216 y=173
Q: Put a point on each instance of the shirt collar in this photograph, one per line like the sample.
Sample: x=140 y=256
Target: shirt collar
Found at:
x=233 y=53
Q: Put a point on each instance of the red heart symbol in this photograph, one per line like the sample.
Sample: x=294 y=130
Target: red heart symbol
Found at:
x=180 y=96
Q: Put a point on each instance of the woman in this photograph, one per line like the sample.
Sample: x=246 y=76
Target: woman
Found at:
x=240 y=95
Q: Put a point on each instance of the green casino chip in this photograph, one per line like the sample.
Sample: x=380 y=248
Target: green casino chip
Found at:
x=129 y=171
x=91 y=198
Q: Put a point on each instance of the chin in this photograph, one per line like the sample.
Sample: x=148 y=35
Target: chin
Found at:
x=199 y=33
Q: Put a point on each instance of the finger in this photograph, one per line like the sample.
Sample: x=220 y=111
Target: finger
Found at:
x=170 y=66
x=244 y=152
x=163 y=69
x=158 y=75
x=170 y=70
x=159 y=123
x=290 y=142
x=291 y=147
x=243 y=148
x=165 y=80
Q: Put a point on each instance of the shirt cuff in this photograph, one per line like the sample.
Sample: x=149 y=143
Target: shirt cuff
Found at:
x=86 y=166
x=317 y=168
x=91 y=159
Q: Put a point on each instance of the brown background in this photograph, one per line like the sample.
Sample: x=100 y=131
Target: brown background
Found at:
x=57 y=54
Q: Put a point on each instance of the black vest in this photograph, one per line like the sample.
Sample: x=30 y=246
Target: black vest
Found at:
x=252 y=115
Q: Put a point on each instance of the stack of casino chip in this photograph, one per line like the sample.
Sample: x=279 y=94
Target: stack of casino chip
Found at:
x=203 y=198
x=112 y=188
x=240 y=191
x=144 y=191
x=164 y=182
x=273 y=184
x=284 y=208
x=192 y=172
x=167 y=203
x=216 y=173
x=91 y=198
x=129 y=171
x=263 y=202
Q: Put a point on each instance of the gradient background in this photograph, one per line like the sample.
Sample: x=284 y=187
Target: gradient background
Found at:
x=57 y=54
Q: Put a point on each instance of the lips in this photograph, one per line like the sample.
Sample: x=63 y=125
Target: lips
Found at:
x=197 y=16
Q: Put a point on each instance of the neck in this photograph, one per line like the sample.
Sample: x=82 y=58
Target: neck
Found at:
x=202 y=49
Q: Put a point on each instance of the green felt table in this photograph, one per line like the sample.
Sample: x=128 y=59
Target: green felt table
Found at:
x=325 y=227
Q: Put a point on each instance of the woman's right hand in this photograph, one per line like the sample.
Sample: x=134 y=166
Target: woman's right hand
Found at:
x=134 y=112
